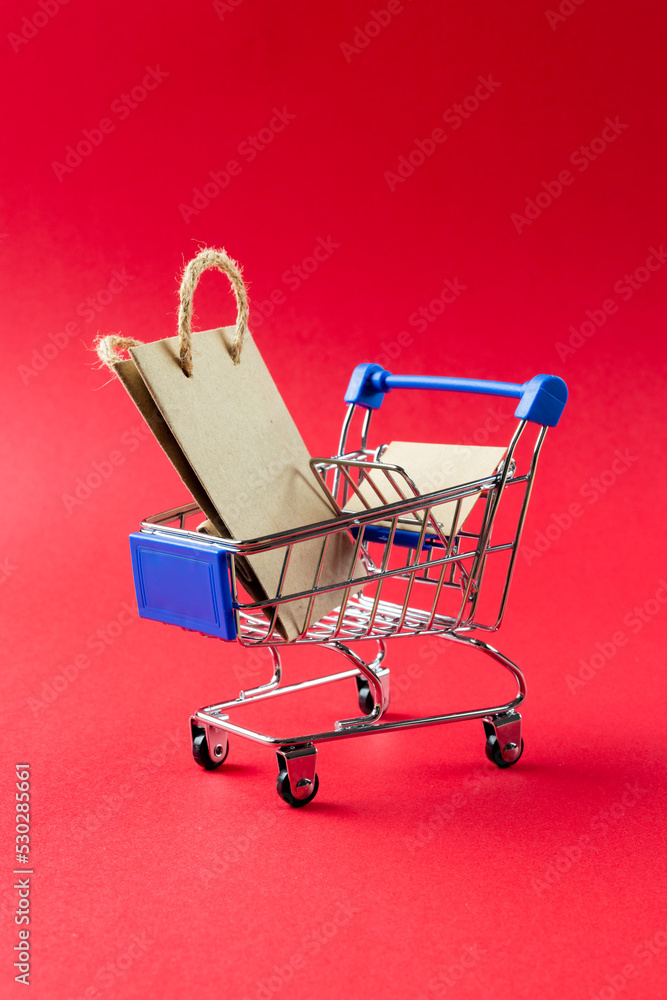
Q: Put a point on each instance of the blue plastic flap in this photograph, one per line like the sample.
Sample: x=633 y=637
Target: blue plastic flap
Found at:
x=541 y=400
x=183 y=582
x=404 y=539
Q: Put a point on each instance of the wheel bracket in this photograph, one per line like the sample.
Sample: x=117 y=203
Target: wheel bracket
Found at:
x=216 y=741
x=300 y=762
x=507 y=730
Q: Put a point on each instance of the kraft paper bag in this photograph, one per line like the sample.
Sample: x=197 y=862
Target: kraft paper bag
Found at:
x=216 y=411
x=136 y=387
x=432 y=467
x=133 y=382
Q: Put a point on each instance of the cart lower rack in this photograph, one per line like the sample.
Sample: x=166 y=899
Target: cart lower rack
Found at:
x=421 y=564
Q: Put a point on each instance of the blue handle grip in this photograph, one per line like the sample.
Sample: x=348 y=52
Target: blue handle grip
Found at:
x=541 y=400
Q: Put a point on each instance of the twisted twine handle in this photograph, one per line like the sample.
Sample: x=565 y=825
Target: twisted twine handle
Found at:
x=108 y=348
x=209 y=257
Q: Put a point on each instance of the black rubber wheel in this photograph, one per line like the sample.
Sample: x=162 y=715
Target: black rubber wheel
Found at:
x=285 y=792
x=366 y=703
x=200 y=751
x=494 y=754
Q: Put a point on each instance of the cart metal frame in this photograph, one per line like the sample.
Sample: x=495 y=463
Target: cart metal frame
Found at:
x=400 y=545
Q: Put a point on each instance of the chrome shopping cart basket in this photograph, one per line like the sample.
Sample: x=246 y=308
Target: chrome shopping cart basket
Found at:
x=413 y=571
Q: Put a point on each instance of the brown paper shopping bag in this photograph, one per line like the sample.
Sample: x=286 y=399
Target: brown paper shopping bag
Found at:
x=216 y=411
x=432 y=467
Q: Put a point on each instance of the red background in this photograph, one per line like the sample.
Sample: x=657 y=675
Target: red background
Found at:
x=542 y=871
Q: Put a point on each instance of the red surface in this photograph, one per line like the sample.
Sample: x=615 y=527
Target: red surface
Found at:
x=418 y=856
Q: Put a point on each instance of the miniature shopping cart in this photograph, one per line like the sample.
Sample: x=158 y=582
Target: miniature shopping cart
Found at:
x=413 y=571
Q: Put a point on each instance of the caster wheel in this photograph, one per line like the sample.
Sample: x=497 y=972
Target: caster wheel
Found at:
x=200 y=751
x=366 y=703
x=494 y=754
x=285 y=792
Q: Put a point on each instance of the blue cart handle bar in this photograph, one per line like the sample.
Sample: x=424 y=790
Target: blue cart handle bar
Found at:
x=541 y=400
